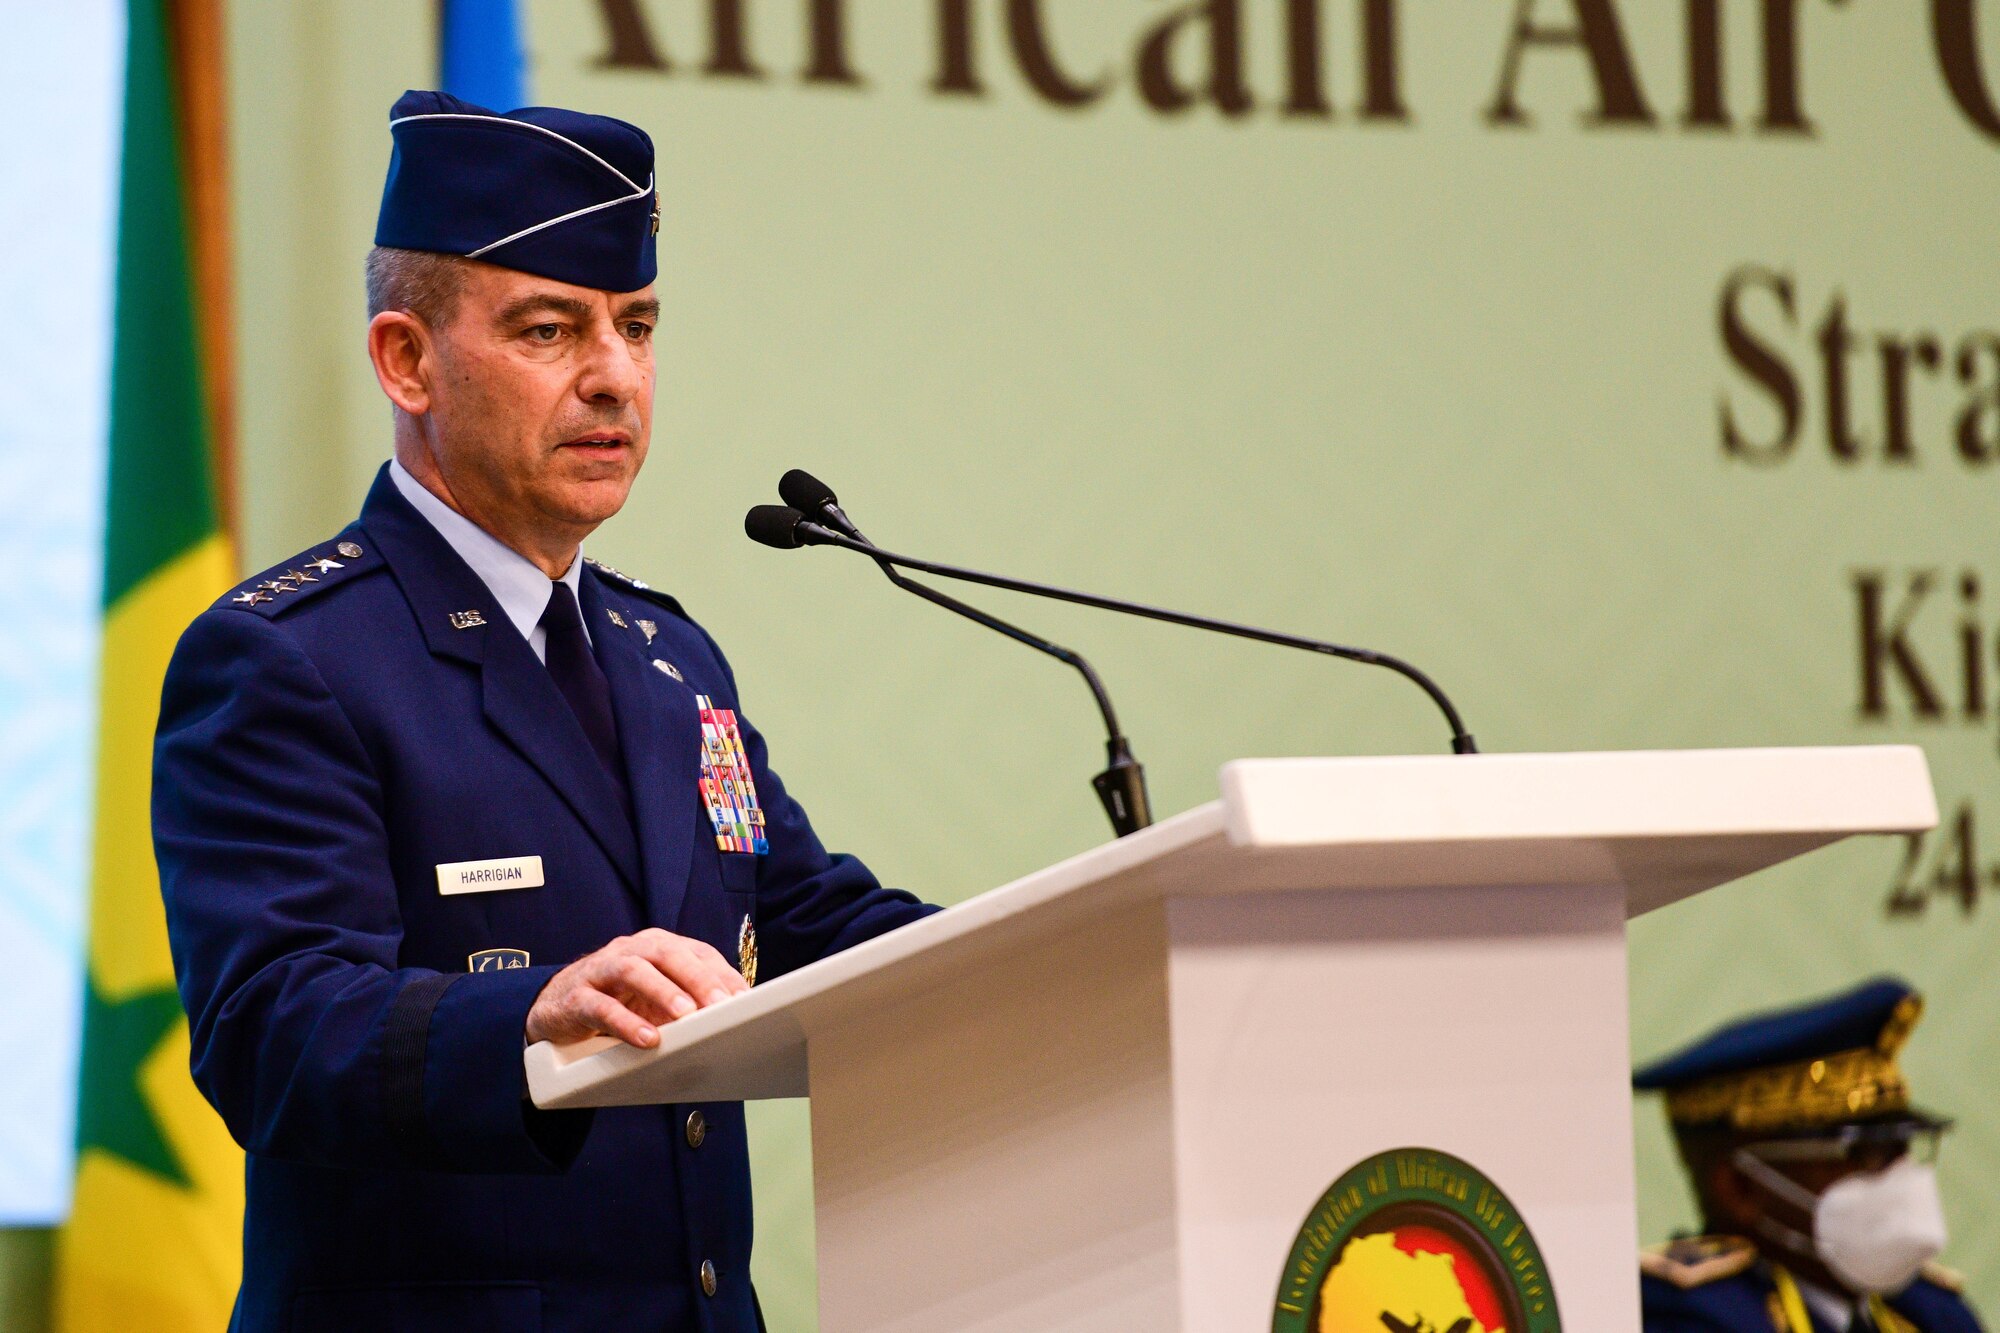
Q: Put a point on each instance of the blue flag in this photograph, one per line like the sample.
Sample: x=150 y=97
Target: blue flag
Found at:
x=479 y=52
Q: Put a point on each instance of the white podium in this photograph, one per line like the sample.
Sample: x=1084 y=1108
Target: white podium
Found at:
x=1110 y=1095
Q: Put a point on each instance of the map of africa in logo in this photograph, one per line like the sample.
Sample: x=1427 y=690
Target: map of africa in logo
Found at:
x=1415 y=1241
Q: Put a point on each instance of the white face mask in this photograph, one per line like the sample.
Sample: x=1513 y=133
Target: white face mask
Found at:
x=1874 y=1230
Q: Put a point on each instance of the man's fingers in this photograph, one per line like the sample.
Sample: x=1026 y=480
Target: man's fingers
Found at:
x=727 y=967
x=641 y=984
x=605 y=1014
x=633 y=985
x=694 y=966
x=707 y=967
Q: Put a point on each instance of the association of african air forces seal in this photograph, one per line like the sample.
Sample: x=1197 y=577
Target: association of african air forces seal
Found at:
x=1415 y=1241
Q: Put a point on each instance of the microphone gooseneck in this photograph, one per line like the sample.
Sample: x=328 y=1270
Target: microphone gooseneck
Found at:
x=804 y=532
x=1121 y=787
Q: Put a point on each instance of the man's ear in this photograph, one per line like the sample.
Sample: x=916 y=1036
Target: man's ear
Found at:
x=400 y=347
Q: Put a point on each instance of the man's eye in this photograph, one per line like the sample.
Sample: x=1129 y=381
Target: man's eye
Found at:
x=638 y=332
x=545 y=333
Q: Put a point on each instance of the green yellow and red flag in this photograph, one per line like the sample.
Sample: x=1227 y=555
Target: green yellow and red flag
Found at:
x=154 y=1236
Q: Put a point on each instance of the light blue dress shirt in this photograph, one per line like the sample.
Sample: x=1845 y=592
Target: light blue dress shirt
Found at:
x=522 y=590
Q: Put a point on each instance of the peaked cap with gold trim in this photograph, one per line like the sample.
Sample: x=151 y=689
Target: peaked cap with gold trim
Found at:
x=1827 y=1062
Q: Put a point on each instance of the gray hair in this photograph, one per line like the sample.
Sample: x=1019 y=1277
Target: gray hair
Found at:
x=422 y=282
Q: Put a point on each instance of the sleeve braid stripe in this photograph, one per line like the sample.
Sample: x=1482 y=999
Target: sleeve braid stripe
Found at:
x=405 y=1040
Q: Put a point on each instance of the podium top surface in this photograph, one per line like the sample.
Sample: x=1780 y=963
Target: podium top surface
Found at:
x=1663 y=825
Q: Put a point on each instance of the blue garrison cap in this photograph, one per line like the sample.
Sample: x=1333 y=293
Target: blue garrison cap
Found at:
x=1814 y=1064
x=556 y=193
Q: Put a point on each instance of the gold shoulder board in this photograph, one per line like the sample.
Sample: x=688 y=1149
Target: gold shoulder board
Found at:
x=1949 y=1278
x=1697 y=1260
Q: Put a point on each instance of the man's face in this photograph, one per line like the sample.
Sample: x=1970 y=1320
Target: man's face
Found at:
x=1743 y=1204
x=1817 y=1164
x=541 y=401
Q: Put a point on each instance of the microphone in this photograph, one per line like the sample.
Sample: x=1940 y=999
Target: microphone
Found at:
x=775 y=525
x=1121 y=787
x=809 y=495
x=785 y=527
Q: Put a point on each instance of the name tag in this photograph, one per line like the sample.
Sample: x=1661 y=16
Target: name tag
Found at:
x=509 y=872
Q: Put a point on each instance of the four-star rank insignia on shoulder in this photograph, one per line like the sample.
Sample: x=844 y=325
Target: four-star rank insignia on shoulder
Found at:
x=272 y=588
x=618 y=574
x=647 y=592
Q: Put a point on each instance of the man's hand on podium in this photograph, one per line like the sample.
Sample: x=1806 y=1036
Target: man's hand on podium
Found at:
x=631 y=986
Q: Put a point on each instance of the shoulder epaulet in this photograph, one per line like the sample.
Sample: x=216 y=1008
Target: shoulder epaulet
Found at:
x=640 y=586
x=1695 y=1261
x=1938 y=1275
x=304 y=576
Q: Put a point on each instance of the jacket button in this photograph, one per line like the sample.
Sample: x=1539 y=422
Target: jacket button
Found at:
x=707 y=1278
x=697 y=1129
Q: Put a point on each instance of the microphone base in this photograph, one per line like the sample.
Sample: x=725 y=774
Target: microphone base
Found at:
x=1122 y=789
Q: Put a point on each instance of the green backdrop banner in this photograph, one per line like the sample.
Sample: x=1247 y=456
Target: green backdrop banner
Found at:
x=1632 y=366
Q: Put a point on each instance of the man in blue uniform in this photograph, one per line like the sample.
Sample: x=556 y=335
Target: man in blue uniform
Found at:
x=438 y=787
x=1813 y=1173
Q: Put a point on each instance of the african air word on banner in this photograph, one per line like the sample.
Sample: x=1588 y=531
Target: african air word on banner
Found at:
x=1195 y=54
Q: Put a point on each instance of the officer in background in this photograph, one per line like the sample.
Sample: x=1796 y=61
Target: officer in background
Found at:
x=1814 y=1177
x=437 y=787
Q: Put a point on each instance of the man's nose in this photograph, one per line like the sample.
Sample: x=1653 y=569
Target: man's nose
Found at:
x=611 y=373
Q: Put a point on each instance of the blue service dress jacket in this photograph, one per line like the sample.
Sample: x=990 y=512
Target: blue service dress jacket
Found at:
x=1718 y=1284
x=322 y=750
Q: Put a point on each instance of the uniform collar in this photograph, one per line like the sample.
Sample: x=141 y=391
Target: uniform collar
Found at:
x=1837 y=1309
x=521 y=589
x=1832 y=1308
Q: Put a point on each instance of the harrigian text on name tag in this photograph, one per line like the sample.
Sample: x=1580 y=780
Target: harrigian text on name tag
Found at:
x=509 y=872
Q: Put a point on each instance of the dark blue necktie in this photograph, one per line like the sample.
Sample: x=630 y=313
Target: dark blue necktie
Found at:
x=576 y=673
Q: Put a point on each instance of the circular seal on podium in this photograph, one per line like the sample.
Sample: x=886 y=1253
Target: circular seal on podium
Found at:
x=1415 y=1241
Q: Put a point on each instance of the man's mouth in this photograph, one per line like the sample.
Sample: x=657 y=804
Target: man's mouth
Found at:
x=599 y=441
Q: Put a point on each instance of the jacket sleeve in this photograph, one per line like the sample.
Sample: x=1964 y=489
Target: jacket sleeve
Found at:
x=308 y=1038
x=810 y=902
